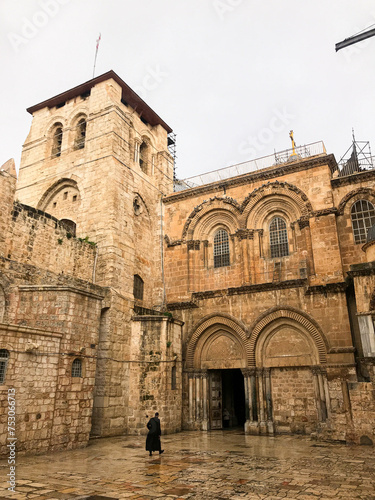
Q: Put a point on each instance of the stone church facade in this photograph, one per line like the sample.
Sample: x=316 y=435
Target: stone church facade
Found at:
x=243 y=302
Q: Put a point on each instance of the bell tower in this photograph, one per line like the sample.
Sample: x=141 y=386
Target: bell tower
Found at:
x=97 y=158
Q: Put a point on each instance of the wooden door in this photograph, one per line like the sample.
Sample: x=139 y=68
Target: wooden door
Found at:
x=215 y=400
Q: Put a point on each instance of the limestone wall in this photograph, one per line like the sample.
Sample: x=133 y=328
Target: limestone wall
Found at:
x=156 y=353
x=38 y=239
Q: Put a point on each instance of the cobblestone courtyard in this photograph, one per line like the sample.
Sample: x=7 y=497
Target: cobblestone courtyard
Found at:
x=215 y=465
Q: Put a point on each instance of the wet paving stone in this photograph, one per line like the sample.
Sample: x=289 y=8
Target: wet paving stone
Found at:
x=218 y=465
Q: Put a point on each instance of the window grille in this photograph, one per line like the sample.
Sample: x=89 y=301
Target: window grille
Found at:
x=363 y=217
x=81 y=134
x=57 y=141
x=77 y=368
x=4 y=357
x=278 y=238
x=221 y=249
x=138 y=287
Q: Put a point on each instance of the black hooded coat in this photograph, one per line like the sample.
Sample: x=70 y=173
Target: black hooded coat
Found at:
x=153 y=436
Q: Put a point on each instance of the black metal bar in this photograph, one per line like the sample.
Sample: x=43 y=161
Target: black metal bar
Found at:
x=355 y=39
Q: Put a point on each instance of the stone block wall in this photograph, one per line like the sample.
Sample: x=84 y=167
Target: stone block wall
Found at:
x=35 y=237
x=32 y=371
x=156 y=352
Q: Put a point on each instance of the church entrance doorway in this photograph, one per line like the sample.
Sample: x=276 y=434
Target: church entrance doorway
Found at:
x=226 y=399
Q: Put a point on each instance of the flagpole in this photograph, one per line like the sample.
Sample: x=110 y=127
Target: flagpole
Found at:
x=96 y=53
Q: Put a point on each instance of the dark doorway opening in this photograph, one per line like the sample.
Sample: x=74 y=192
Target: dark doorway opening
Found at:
x=233 y=402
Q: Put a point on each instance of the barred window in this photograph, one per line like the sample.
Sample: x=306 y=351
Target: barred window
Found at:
x=80 y=134
x=57 y=140
x=4 y=357
x=221 y=249
x=278 y=238
x=138 y=287
x=77 y=368
x=363 y=217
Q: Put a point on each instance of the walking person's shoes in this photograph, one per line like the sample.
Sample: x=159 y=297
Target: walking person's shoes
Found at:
x=161 y=451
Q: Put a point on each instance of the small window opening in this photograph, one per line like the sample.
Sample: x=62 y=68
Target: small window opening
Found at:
x=4 y=357
x=278 y=238
x=74 y=197
x=138 y=287
x=80 y=134
x=66 y=195
x=54 y=204
x=221 y=249
x=174 y=378
x=77 y=368
x=57 y=142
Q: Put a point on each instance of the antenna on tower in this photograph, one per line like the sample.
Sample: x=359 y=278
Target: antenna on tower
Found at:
x=96 y=53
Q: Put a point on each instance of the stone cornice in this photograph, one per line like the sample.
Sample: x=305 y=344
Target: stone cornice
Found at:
x=54 y=288
x=265 y=174
x=27 y=330
x=338 y=287
x=176 y=306
x=353 y=179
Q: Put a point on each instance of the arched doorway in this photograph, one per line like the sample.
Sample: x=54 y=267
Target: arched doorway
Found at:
x=270 y=379
x=216 y=358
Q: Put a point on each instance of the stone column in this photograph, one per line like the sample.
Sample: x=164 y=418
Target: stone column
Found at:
x=261 y=399
x=322 y=396
x=198 y=383
x=251 y=424
x=314 y=371
x=245 y=374
x=268 y=398
x=191 y=399
x=253 y=392
x=205 y=400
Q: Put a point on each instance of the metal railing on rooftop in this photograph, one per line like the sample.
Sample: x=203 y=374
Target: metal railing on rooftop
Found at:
x=277 y=159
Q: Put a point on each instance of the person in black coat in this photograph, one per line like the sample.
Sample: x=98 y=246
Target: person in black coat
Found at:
x=153 y=436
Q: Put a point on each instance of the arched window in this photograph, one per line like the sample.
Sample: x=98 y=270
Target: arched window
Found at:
x=278 y=238
x=69 y=225
x=138 y=287
x=77 y=368
x=221 y=249
x=143 y=156
x=4 y=357
x=363 y=217
x=80 y=138
x=57 y=140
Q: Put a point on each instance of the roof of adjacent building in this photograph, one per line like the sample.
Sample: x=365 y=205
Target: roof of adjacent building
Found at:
x=128 y=95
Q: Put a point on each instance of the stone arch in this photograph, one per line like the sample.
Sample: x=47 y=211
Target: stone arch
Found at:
x=223 y=204
x=366 y=193
x=285 y=191
x=62 y=200
x=297 y=319
x=209 y=329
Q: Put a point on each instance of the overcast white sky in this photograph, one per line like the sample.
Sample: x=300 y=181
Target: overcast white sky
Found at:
x=231 y=77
